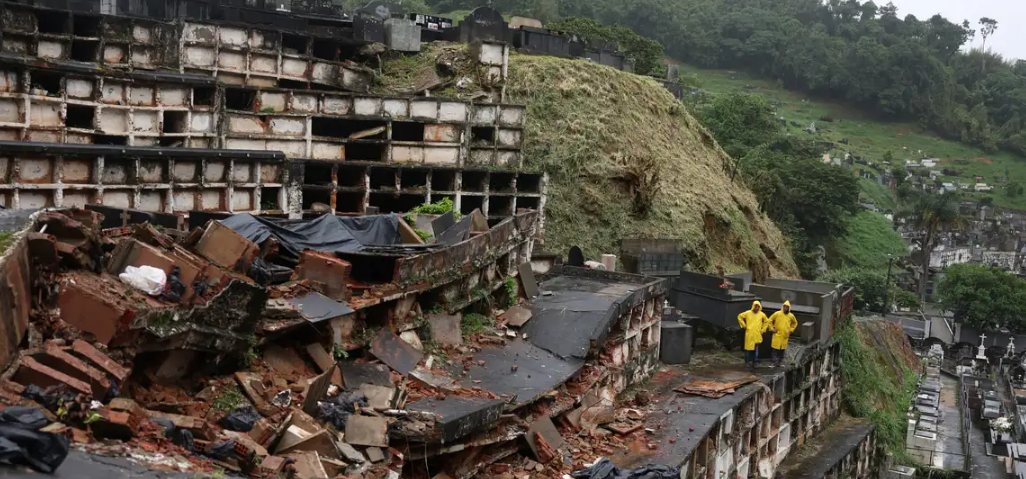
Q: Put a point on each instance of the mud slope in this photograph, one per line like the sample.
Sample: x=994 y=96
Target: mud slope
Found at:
x=597 y=131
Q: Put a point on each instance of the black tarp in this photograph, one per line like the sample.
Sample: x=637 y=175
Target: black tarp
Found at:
x=332 y=234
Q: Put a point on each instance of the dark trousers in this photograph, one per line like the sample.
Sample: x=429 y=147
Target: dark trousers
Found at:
x=778 y=355
x=752 y=357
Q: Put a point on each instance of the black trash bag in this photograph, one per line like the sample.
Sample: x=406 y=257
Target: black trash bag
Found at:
x=338 y=409
x=242 y=420
x=605 y=469
x=175 y=287
x=179 y=436
x=266 y=274
x=22 y=443
x=51 y=397
x=221 y=450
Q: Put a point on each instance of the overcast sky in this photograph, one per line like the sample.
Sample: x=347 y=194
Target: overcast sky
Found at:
x=1010 y=38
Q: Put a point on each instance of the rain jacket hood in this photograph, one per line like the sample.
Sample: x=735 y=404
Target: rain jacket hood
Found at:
x=783 y=324
x=754 y=323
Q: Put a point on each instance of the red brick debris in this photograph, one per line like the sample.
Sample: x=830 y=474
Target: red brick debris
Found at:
x=220 y=372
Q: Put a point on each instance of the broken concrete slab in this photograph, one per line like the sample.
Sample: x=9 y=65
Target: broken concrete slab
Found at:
x=396 y=353
x=544 y=428
x=408 y=235
x=316 y=308
x=536 y=373
x=442 y=223
x=445 y=329
x=367 y=431
x=322 y=442
x=378 y=397
x=320 y=357
x=375 y=455
x=516 y=316
x=283 y=361
x=411 y=338
x=349 y=453
x=226 y=248
x=253 y=387
x=329 y=273
x=457 y=416
x=175 y=365
x=307 y=465
x=431 y=379
x=318 y=390
x=354 y=374
x=527 y=280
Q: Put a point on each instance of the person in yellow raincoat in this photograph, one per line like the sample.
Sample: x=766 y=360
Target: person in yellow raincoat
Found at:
x=754 y=322
x=782 y=323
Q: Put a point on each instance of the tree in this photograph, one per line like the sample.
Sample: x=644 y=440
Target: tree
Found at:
x=984 y=298
x=871 y=289
x=740 y=122
x=1014 y=189
x=929 y=214
x=987 y=28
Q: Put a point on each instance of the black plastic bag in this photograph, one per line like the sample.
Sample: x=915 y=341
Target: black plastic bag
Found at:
x=338 y=409
x=221 y=450
x=179 y=436
x=605 y=469
x=22 y=443
x=52 y=397
x=242 y=420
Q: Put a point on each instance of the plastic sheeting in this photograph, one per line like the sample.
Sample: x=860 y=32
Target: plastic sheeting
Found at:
x=333 y=234
x=605 y=469
x=22 y=443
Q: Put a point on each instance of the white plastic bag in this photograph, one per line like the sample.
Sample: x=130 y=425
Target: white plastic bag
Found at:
x=145 y=278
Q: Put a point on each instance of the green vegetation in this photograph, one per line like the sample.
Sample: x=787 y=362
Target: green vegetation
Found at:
x=877 y=194
x=875 y=388
x=871 y=289
x=512 y=290
x=229 y=400
x=625 y=160
x=339 y=353
x=439 y=207
x=931 y=214
x=984 y=298
x=473 y=323
x=647 y=53
x=7 y=240
x=870 y=238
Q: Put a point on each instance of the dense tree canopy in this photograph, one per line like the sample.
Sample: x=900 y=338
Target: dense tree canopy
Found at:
x=899 y=67
x=872 y=291
x=984 y=298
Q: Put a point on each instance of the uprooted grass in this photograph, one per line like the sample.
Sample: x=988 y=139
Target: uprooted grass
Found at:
x=585 y=119
x=877 y=386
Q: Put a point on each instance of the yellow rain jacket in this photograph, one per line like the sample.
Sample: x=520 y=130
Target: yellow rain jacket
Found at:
x=754 y=323
x=783 y=325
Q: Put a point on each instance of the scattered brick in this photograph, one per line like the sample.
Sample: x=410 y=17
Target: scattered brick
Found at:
x=95 y=356
x=60 y=360
x=31 y=372
x=326 y=272
x=226 y=247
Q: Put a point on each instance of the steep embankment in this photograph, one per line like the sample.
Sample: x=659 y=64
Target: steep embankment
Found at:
x=626 y=160
x=879 y=369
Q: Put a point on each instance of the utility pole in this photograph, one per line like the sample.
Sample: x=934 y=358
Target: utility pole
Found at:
x=887 y=290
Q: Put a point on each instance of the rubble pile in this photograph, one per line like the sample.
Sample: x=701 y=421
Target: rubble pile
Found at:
x=202 y=350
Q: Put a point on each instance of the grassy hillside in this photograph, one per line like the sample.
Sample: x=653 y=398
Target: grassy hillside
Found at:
x=871 y=237
x=596 y=131
x=879 y=369
x=870 y=137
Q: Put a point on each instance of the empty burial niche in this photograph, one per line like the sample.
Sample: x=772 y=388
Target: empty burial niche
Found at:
x=365 y=152
x=351 y=176
x=175 y=122
x=443 y=180
x=413 y=179
x=325 y=49
x=527 y=183
x=345 y=128
x=389 y=202
x=349 y=202
x=52 y=21
x=45 y=83
x=85 y=50
x=203 y=96
x=407 y=131
x=293 y=84
x=239 y=99
x=293 y=44
x=482 y=136
x=500 y=206
x=470 y=203
x=474 y=181
x=383 y=179
x=316 y=194
x=317 y=173
x=501 y=182
x=528 y=203
x=270 y=198
x=110 y=140
x=85 y=26
x=80 y=116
